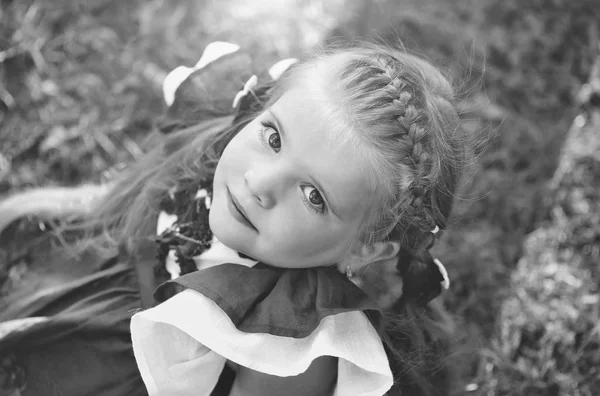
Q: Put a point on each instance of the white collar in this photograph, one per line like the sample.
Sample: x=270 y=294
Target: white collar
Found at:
x=219 y=254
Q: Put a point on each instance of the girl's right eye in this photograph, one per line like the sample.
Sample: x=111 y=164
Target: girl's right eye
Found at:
x=270 y=136
x=313 y=199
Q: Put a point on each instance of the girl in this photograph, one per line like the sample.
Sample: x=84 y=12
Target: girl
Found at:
x=269 y=220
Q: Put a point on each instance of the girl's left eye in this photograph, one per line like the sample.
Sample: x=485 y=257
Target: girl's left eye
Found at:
x=269 y=136
x=312 y=197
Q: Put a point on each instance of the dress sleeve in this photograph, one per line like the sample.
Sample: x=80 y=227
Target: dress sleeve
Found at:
x=170 y=361
x=182 y=344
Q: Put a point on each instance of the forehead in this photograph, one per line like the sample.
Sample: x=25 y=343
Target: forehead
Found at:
x=322 y=148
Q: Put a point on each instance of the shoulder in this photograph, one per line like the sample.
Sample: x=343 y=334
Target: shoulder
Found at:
x=318 y=379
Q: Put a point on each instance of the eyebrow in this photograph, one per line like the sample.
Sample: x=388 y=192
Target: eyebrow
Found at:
x=313 y=179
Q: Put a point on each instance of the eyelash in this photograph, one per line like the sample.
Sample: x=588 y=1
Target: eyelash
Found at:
x=266 y=124
x=311 y=206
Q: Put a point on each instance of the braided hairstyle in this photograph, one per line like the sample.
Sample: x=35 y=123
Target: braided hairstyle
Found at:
x=402 y=109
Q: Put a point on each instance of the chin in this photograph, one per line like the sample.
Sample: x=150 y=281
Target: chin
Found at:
x=225 y=231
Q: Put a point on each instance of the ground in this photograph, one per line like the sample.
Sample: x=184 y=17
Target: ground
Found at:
x=80 y=90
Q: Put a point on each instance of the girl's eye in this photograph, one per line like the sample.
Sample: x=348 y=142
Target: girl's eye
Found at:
x=269 y=136
x=274 y=140
x=313 y=198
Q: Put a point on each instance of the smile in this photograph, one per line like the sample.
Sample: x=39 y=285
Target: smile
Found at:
x=238 y=212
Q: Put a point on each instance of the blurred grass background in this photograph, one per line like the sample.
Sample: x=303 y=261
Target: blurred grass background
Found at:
x=80 y=89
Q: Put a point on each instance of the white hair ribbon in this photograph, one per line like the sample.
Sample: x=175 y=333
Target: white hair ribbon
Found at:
x=446 y=280
x=213 y=51
x=251 y=83
x=280 y=67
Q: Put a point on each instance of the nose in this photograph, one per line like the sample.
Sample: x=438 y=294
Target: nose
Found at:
x=265 y=182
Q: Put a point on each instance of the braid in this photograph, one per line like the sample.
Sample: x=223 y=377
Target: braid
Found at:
x=414 y=137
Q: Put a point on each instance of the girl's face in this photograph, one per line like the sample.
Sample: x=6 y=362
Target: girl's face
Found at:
x=287 y=192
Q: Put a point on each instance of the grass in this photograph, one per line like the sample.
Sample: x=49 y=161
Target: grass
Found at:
x=80 y=90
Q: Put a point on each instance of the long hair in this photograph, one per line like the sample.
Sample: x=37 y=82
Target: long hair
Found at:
x=129 y=211
x=396 y=104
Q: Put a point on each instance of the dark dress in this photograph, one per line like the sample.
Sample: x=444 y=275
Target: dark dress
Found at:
x=78 y=342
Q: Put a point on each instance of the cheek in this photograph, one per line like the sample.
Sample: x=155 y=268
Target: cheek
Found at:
x=236 y=152
x=216 y=216
x=225 y=167
x=299 y=236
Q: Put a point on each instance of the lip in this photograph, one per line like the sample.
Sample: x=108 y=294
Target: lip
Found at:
x=238 y=211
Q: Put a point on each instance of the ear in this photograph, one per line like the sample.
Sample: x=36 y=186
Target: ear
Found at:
x=365 y=254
